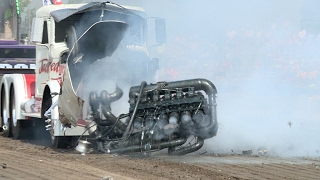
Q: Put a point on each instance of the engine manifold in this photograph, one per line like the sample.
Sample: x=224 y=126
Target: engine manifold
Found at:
x=161 y=115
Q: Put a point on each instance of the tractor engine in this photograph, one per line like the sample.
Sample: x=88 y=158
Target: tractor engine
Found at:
x=161 y=115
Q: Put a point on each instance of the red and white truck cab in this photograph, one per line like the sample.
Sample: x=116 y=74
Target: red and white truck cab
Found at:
x=39 y=96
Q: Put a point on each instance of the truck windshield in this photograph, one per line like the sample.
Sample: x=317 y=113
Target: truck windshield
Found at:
x=8 y=20
x=136 y=33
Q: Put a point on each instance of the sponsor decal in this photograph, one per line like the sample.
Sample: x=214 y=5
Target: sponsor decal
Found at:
x=46 y=67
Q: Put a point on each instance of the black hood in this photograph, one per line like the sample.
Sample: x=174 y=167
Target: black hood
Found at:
x=102 y=39
x=62 y=14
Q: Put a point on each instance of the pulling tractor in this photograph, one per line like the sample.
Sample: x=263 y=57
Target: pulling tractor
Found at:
x=87 y=57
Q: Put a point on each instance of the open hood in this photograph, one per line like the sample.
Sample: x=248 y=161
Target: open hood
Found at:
x=98 y=41
x=61 y=14
x=101 y=40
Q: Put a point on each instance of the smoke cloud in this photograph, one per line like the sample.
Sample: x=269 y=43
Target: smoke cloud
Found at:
x=263 y=58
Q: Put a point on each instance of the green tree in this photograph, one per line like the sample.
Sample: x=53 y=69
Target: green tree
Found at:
x=28 y=11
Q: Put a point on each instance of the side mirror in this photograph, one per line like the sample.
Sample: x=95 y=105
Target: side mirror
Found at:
x=37 y=30
x=160 y=26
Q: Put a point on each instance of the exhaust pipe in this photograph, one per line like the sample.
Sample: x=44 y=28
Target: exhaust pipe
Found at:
x=106 y=111
x=173 y=150
x=188 y=149
x=106 y=99
x=159 y=146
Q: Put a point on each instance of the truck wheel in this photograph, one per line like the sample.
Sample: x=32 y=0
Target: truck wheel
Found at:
x=62 y=142
x=15 y=126
x=5 y=121
x=57 y=142
x=21 y=129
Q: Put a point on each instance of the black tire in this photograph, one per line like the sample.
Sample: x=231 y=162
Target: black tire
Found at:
x=15 y=129
x=57 y=142
x=21 y=129
x=14 y=123
x=62 y=142
x=6 y=128
x=5 y=121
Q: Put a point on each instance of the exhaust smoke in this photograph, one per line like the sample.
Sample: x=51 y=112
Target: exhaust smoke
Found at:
x=261 y=55
x=263 y=58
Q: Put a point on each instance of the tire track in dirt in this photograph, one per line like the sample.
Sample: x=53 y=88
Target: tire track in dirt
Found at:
x=42 y=166
x=130 y=167
x=273 y=170
x=155 y=168
x=260 y=172
x=239 y=171
x=257 y=167
x=30 y=161
x=17 y=171
x=48 y=168
x=293 y=171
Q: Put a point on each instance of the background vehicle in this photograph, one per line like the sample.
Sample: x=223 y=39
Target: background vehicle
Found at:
x=85 y=51
x=14 y=55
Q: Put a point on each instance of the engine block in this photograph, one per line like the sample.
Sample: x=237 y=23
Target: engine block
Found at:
x=171 y=110
x=161 y=115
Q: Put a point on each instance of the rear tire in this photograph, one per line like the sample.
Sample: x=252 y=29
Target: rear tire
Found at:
x=14 y=123
x=5 y=120
x=57 y=142
x=21 y=129
x=6 y=127
x=62 y=142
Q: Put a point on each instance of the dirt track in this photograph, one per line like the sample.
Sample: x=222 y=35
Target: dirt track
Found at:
x=25 y=160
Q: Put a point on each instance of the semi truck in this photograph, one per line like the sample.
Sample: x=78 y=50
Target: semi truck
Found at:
x=87 y=56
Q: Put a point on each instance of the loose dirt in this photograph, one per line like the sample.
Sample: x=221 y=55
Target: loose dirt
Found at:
x=27 y=160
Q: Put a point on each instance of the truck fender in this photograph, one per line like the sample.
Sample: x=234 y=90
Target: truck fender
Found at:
x=4 y=92
x=23 y=86
x=58 y=129
x=54 y=87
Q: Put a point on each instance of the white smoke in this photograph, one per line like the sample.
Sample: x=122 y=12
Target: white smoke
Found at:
x=261 y=55
x=250 y=50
